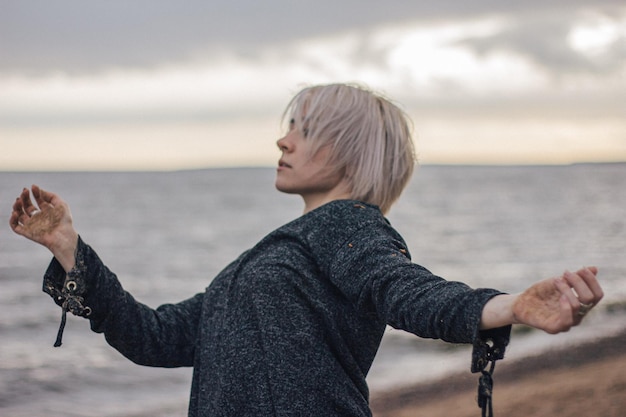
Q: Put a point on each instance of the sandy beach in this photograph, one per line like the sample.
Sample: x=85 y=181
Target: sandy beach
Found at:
x=585 y=380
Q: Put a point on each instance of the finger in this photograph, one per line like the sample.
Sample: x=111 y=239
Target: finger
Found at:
x=567 y=317
x=588 y=275
x=27 y=203
x=17 y=206
x=19 y=214
x=569 y=306
x=43 y=197
x=14 y=220
x=566 y=290
x=586 y=286
x=36 y=192
x=584 y=304
x=15 y=214
x=580 y=287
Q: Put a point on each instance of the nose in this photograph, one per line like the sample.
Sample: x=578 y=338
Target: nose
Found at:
x=283 y=144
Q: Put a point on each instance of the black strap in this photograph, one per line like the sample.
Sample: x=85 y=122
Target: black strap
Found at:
x=57 y=343
x=488 y=348
x=485 y=391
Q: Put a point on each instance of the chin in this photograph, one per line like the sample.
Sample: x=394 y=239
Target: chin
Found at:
x=280 y=187
x=284 y=189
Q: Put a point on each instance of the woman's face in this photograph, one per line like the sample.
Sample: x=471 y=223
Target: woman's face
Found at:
x=300 y=172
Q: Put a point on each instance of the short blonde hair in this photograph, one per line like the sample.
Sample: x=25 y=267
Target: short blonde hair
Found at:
x=370 y=138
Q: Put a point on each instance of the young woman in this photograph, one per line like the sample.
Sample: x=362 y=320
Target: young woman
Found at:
x=292 y=326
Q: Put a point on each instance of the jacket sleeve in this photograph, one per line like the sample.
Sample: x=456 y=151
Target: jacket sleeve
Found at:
x=373 y=268
x=162 y=337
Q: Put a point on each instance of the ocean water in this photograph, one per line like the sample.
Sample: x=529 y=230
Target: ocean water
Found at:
x=167 y=234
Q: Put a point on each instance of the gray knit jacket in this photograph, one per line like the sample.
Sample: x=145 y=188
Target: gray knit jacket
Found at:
x=292 y=326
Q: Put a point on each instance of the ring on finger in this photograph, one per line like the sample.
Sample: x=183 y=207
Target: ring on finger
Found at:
x=584 y=309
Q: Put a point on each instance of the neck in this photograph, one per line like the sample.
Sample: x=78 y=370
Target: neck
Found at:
x=315 y=200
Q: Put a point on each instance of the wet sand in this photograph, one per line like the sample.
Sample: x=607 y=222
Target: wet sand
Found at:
x=585 y=380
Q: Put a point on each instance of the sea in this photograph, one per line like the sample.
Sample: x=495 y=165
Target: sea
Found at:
x=167 y=234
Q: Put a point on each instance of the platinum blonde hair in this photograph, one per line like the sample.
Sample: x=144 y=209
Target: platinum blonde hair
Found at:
x=369 y=136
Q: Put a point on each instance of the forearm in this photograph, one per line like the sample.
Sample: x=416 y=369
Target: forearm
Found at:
x=498 y=312
x=161 y=337
x=63 y=248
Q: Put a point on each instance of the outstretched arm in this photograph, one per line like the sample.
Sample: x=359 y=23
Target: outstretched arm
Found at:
x=553 y=305
x=162 y=337
x=48 y=223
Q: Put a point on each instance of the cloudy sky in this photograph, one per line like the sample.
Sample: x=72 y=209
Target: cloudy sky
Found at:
x=169 y=85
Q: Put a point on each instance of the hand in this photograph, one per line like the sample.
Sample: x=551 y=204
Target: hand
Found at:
x=49 y=224
x=557 y=304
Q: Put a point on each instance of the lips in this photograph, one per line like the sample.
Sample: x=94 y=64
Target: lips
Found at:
x=283 y=164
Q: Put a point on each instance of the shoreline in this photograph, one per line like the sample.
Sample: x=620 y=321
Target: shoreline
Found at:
x=581 y=380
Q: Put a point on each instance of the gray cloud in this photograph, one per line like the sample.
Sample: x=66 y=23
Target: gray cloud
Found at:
x=544 y=41
x=75 y=36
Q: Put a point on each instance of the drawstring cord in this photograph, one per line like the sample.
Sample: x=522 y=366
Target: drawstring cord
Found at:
x=73 y=303
x=486 y=353
x=58 y=342
x=485 y=391
x=69 y=299
x=489 y=347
